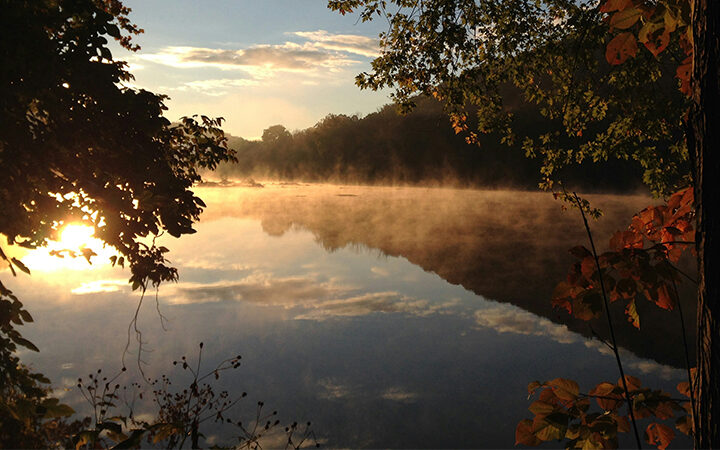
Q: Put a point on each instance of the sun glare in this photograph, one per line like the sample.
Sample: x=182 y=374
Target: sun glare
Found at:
x=68 y=252
x=75 y=236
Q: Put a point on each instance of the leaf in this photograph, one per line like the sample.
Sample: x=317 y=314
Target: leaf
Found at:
x=133 y=441
x=541 y=408
x=25 y=343
x=683 y=74
x=55 y=410
x=658 y=43
x=546 y=431
x=633 y=383
x=580 y=252
x=632 y=314
x=648 y=29
x=685 y=425
x=620 y=48
x=85 y=437
x=165 y=431
x=665 y=298
x=606 y=389
x=524 y=434
x=615 y=5
x=684 y=388
x=110 y=426
x=659 y=434
x=565 y=389
x=532 y=387
x=19 y=264
x=625 y=19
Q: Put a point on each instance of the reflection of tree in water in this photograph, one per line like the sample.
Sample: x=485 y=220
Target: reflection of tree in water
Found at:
x=503 y=245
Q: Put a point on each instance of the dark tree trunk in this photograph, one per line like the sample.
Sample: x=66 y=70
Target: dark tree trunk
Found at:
x=704 y=147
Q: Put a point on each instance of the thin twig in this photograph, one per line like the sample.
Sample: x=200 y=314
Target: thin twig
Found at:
x=610 y=324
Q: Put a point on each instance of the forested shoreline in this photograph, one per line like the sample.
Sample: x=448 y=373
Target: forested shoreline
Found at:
x=421 y=147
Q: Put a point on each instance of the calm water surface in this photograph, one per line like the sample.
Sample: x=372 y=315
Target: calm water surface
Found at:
x=389 y=317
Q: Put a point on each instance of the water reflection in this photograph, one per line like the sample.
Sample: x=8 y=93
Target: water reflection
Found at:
x=361 y=334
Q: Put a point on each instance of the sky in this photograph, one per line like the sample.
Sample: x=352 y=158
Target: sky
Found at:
x=256 y=63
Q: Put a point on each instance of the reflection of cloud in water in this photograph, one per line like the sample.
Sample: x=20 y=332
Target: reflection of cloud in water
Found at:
x=97 y=286
x=321 y=300
x=331 y=389
x=399 y=394
x=293 y=291
x=511 y=319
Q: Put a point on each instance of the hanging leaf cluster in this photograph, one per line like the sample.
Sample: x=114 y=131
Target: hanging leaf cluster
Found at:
x=654 y=25
x=640 y=263
x=562 y=412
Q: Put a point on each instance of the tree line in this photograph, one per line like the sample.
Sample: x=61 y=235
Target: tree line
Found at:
x=420 y=147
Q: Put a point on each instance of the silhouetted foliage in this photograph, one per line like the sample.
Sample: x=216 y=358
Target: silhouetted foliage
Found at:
x=417 y=147
x=77 y=144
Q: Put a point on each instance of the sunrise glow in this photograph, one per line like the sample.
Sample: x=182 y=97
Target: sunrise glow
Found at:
x=67 y=252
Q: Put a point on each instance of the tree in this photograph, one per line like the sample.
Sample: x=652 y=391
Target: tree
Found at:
x=78 y=144
x=704 y=143
x=625 y=105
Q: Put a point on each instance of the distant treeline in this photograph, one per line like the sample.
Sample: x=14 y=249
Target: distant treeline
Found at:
x=387 y=147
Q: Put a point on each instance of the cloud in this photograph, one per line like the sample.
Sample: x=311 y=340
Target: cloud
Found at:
x=94 y=287
x=348 y=43
x=214 y=88
x=260 y=60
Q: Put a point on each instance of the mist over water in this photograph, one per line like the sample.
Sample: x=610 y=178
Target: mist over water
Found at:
x=390 y=317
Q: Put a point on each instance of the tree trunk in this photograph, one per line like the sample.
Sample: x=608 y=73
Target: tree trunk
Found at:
x=704 y=147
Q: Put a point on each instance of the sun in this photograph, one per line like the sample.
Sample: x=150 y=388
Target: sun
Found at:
x=75 y=241
x=74 y=236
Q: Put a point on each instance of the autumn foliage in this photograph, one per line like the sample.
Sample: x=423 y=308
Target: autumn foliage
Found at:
x=640 y=264
x=563 y=412
x=653 y=25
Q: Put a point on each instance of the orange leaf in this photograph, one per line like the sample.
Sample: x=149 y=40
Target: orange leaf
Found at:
x=684 y=388
x=606 y=390
x=524 y=434
x=565 y=389
x=633 y=383
x=659 y=434
x=683 y=74
x=588 y=267
x=658 y=43
x=615 y=5
x=620 y=48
